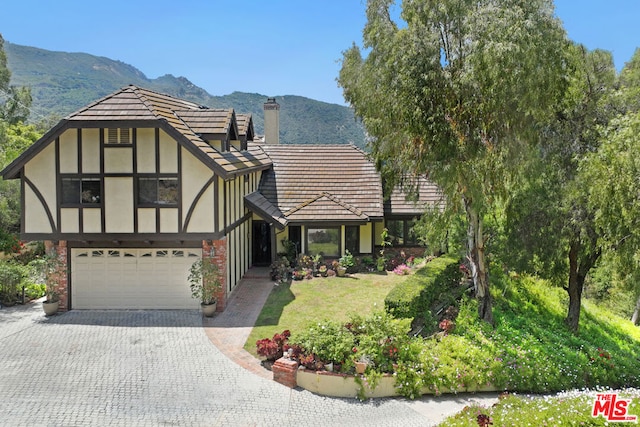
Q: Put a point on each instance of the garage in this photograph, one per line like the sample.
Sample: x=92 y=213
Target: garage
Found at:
x=132 y=278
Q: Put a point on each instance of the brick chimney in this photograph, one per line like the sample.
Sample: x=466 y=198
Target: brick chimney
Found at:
x=271 y=121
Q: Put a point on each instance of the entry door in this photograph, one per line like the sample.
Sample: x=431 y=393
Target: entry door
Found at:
x=261 y=243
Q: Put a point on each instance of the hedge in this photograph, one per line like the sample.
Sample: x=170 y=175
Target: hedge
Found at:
x=416 y=294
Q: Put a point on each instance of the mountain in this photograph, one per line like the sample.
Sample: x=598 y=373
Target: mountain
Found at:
x=63 y=82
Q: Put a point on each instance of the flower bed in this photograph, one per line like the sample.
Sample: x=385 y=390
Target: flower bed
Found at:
x=342 y=385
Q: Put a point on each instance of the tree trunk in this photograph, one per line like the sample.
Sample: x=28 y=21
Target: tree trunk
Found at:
x=579 y=267
x=479 y=268
x=636 y=312
x=574 y=289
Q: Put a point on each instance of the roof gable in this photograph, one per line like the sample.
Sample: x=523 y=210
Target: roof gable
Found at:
x=136 y=107
x=211 y=123
x=342 y=174
x=325 y=207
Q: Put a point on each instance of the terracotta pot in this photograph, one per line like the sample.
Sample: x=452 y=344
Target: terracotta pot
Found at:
x=361 y=367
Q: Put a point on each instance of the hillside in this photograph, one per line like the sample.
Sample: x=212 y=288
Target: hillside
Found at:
x=62 y=82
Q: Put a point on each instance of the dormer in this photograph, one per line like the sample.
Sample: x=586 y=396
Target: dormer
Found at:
x=216 y=126
x=245 y=129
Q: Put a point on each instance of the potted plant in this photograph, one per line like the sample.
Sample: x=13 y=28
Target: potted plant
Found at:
x=345 y=262
x=204 y=276
x=52 y=304
x=361 y=363
x=53 y=272
x=322 y=270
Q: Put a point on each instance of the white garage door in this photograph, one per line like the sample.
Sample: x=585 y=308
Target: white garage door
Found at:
x=132 y=278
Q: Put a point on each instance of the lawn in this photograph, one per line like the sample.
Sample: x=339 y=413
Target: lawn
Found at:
x=305 y=302
x=529 y=350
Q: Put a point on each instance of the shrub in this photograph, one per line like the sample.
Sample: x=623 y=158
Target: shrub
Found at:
x=402 y=270
x=281 y=270
x=305 y=262
x=9 y=243
x=290 y=251
x=273 y=349
x=34 y=290
x=329 y=341
x=347 y=260
x=12 y=275
x=367 y=261
x=413 y=297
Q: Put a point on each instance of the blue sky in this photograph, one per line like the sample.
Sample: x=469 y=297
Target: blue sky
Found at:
x=271 y=47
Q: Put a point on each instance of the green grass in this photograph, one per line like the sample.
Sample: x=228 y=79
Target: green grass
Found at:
x=530 y=349
x=565 y=409
x=305 y=302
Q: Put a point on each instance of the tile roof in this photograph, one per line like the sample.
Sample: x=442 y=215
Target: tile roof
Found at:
x=322 y=183
x=211 y=122
x=400 y=204
x=245 y=126
x=184 y=120
x=260 y=205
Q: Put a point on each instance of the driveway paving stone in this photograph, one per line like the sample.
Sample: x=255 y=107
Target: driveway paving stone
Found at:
x=161 y=368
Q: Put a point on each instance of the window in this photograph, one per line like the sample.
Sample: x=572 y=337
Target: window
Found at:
x=323 y=241
x=396 y=231
x=158 y=191
x=295 y=236
x=401 y=231
x=352 y=239
x=84 y=191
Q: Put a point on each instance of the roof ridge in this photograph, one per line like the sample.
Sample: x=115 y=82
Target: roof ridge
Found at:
x=354 y=210
x=104 y=98
x=303 y=204
x=145 y=100
x=345 y=205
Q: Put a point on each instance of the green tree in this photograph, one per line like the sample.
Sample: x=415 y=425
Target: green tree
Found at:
x=15 y=137
x=14 y=101
x=549 y=216
x=614 y=196
x=453 y=92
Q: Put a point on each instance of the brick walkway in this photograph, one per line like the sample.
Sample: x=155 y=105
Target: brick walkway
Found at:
x=229 y=330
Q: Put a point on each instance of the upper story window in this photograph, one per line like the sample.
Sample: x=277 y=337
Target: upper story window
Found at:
x=157 y=191
x=119 y=136
x=84 y=191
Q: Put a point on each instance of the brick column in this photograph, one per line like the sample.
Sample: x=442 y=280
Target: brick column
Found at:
x=216 y=251
x=284 y=372
x=60 y=249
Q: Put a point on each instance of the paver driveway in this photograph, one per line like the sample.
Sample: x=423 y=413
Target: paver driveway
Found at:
x=138 y=368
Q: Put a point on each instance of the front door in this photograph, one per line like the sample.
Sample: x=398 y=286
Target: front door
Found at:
x=261 y=243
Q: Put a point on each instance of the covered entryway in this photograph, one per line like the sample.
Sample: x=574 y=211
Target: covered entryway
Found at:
x=261 y=243
x=132 y=278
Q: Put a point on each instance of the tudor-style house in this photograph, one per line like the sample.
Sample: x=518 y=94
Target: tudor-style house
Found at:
x=133 y=188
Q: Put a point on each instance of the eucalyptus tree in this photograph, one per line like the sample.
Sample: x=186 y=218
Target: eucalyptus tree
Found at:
x=453 y=90
x=15 y=137
x=14 y=101
x=550 y=224
x=614 y=171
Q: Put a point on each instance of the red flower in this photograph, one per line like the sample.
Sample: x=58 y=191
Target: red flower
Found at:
x=484 y=420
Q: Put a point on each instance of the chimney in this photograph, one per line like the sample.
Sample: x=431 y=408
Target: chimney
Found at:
x=271 y=121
